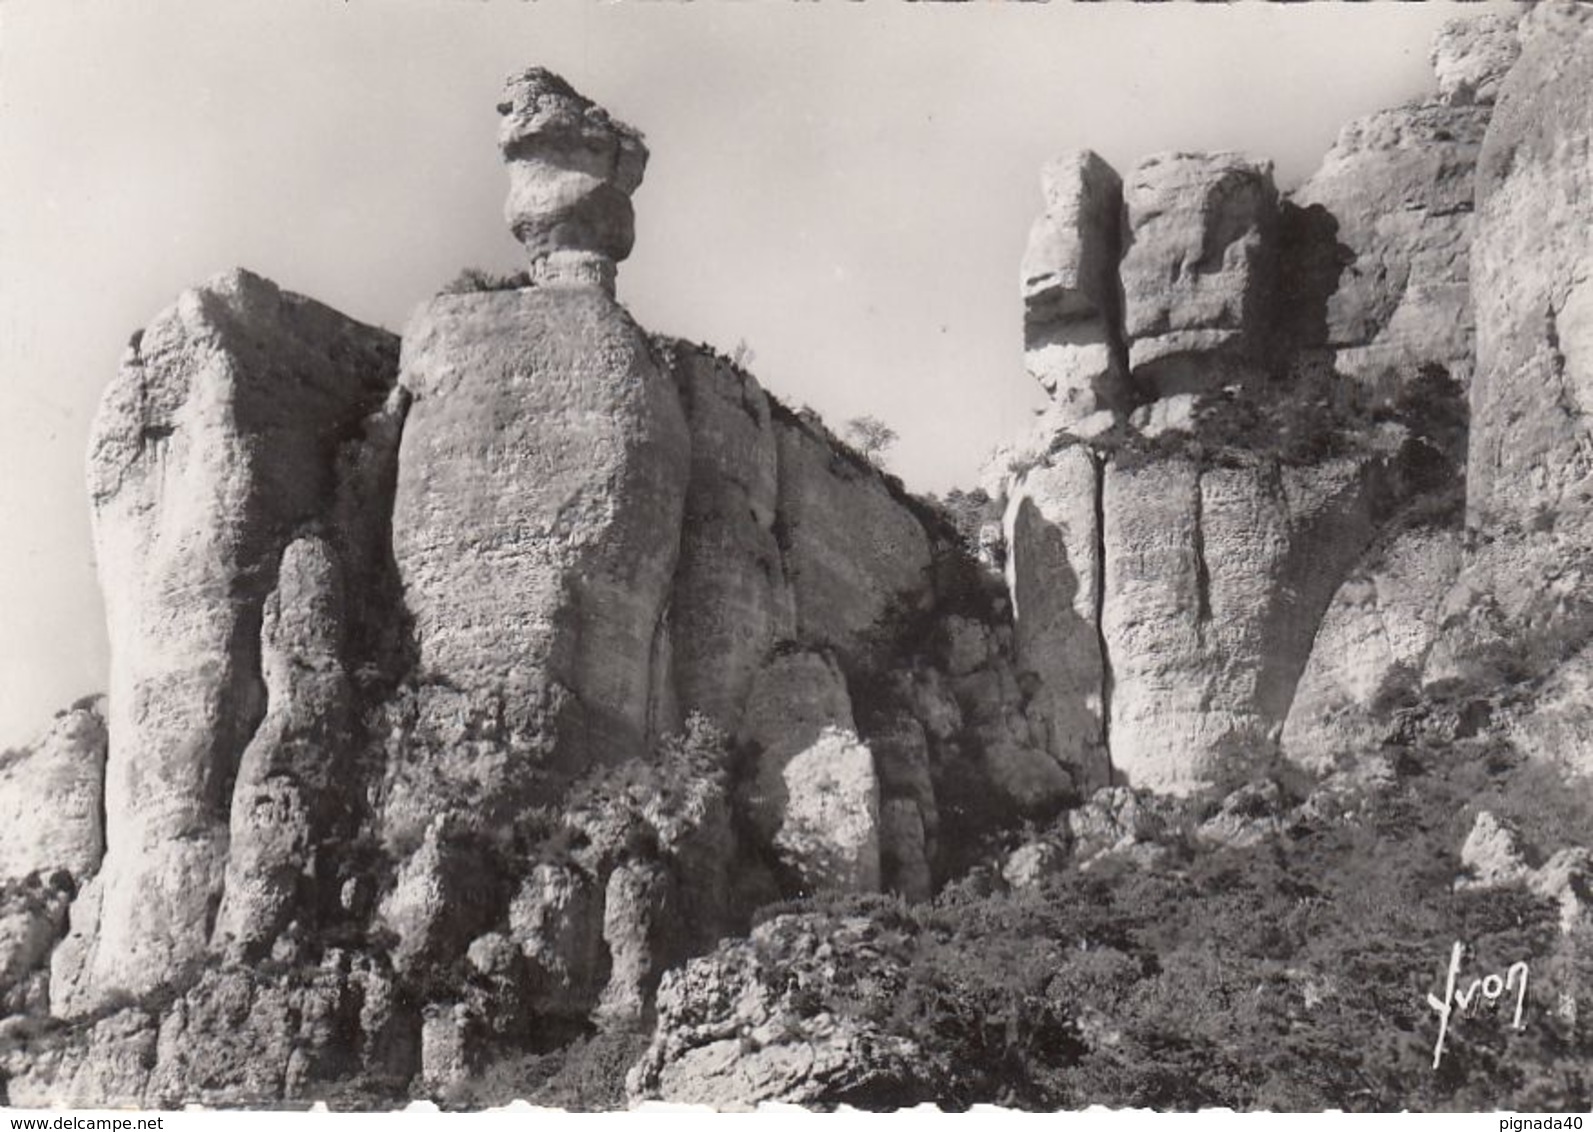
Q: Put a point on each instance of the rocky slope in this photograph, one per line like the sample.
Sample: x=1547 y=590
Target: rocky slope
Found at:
x=478 y=697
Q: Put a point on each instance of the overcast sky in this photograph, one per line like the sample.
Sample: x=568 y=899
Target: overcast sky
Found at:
x=845 y=188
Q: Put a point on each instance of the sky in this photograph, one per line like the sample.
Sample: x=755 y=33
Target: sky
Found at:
x=843 y=188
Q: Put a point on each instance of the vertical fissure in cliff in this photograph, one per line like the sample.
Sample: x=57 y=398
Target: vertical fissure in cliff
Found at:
x=1107 y=680
x=1198 y=546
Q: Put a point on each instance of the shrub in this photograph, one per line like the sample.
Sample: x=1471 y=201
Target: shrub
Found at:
x=472 y=279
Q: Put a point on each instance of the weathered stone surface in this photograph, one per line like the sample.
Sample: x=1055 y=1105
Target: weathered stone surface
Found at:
x=1391 y=207
x=733 y=1030
x=1073 y=344
x=909 y=811
x=32 y=920
x=731 y=602
x=1556 y=725
x=1471 y=57
x=1112 y=820
x=556 y=918
x=542 y=479
x=1248 y=816
x=235 y=1038
x=851 y=548
x=1198 y=270
x=1372 y=643
x=442 y=897
x=1532 y=269
x=636 y=907
x=1567 y=879
x=1493 y=854
x=218 y=441
x=572 y=170
x=1054 y=570
x=285 y=785
x=1215 y=581
x=1030 y=865
x=51 y=793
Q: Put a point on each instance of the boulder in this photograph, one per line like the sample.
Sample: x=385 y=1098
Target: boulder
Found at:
x=1567 y=879
x=1030 y=865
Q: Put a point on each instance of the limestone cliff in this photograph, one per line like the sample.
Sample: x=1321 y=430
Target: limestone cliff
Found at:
x=473 y=692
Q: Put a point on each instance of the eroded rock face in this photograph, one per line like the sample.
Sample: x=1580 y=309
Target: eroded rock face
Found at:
x=1472 y=56
x=731 y=601
x=1071 y=307
x=572 y=170
x=1054 y=573
x=1390 y=210
x=852 y=551
x=1493 y=854
x=815 y=794
x=1371 y=646
x=236 y=1038
x=1215 y=580
x=1532 y=266
x=50 y=799
x=1198 y=270
x=284 y=789
x=542 y=479
x=217 y=443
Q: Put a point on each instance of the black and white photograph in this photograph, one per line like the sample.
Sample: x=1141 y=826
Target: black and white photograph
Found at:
x=873 y=556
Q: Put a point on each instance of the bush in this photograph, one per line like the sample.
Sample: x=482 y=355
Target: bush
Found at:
x=472 y=279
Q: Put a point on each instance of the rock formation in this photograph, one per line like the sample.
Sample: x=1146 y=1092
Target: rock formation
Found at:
x=221 y=442
x=476 y=692
x=572 y=170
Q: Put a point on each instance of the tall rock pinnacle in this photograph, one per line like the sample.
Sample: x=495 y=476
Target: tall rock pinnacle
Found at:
x=572 y=170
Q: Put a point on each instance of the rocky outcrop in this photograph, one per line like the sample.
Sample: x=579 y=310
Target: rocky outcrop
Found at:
x=235 y=1038
x=1199 y=270
x=51 y=799
x=219 y=443
x=572 y=170
x=736 y=1028
x=1072 y=338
